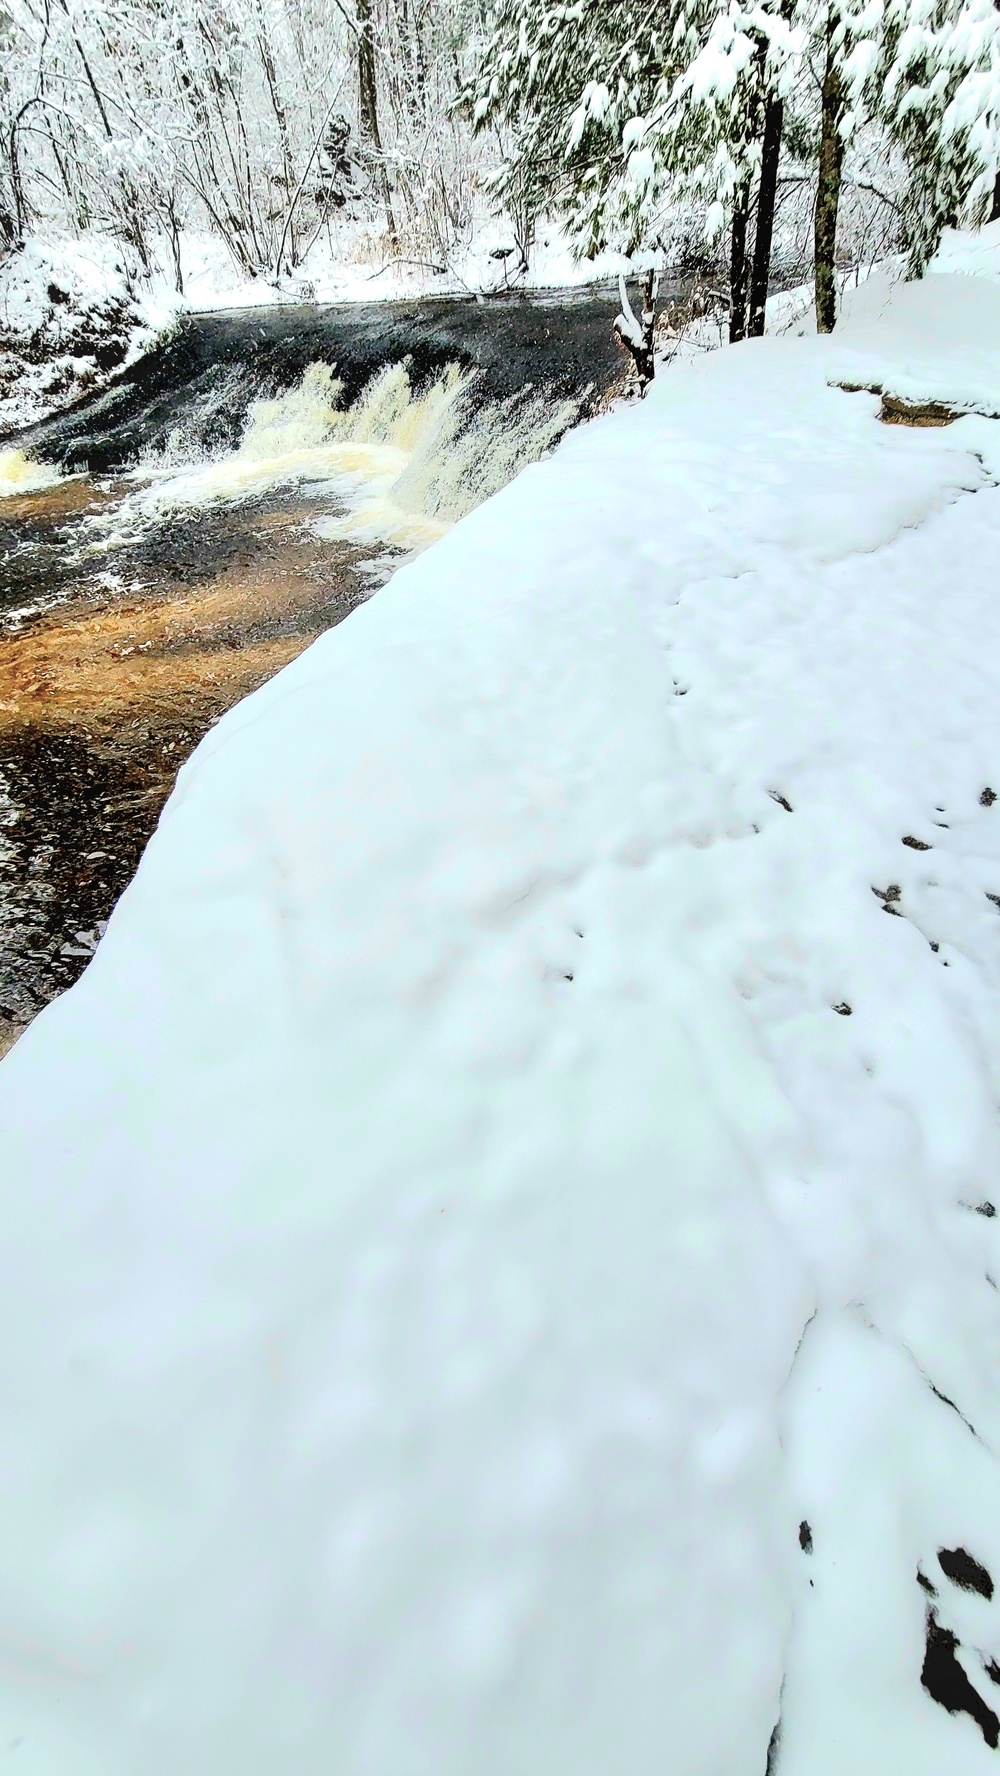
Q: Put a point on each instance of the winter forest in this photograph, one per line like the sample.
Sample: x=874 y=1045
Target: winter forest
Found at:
x=719 y=137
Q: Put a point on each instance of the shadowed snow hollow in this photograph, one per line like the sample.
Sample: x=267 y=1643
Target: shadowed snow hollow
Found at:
x=502 y=1241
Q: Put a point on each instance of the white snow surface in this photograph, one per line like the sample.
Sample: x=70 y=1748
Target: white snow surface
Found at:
x=451 y=1239
x=354 y=266
x=974 y=251
x=930 y=341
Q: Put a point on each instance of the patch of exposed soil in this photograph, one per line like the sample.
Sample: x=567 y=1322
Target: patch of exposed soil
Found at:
x=895 y=411
x=915 y=413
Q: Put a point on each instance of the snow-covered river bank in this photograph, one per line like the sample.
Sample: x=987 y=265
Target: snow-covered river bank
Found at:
x=502 y=1247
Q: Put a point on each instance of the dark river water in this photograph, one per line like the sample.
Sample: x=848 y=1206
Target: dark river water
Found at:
x=174 y=541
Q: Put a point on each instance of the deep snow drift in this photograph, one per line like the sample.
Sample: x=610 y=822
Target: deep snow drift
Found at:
x=500 y=1248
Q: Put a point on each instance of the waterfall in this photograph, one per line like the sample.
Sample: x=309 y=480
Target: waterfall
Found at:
x=402 y=463
x=19 y=473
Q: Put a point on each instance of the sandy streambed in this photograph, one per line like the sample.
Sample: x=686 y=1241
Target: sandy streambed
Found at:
x=112 y=667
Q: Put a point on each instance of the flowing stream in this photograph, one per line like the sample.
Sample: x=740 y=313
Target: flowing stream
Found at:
x=170 y=544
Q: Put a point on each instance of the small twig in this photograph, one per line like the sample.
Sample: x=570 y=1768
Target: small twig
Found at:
x=883 y=197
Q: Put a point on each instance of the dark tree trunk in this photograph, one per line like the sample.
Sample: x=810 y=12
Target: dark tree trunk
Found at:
x=175 y=244
x=641 y=344
x=831 y=161
x=739 y=264
x=770 y=154
x=88 y=71
x=281 y=118
x=368 y=106
x=16 y=185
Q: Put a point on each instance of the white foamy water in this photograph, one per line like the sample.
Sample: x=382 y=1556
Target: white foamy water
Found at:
x=19 y=473
x=455 y=456
x=403 y=464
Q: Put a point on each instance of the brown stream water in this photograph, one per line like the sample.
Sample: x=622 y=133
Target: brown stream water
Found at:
x=104 y=694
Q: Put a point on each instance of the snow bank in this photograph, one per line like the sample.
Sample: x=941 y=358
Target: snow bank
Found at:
x=976 y=252
x=500 y=1247
x=353 y=266
x=72 y=314
x=930 y=341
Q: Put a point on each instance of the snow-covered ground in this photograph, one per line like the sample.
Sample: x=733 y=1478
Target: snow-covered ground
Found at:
x=356 y=266
x=72 y=315
x=940 y=347
x=500 y=1247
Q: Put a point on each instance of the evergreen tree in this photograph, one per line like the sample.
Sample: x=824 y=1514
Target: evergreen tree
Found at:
x=938 y=92
x=846 y=46
x=612 y=114
x=572 y=82
x=722 y=126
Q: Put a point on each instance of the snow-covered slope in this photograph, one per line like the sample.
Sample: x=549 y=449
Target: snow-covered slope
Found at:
x=974 y=252
x=931 y=341
x=72 y=314
x=500 y=1252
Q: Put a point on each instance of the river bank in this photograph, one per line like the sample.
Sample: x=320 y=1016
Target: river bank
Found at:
x=502 y=1239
